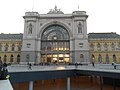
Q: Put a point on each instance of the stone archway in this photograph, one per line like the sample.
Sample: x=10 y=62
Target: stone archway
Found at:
x=55 y=44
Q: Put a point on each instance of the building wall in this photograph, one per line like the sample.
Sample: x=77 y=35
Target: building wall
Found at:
x=36 y=23
x=8 y=52
x=115 y=42
x=93 y=51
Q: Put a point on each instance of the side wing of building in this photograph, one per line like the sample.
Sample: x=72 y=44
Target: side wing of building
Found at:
x=104 y=47
x=10 y=47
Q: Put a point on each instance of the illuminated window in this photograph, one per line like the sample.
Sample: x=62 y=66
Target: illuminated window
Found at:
x=55 y=42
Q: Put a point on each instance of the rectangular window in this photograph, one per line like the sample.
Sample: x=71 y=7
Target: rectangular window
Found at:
x=81 y=44
x=28 y=45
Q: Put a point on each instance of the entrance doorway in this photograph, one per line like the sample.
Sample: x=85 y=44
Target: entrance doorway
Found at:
x=56 y=58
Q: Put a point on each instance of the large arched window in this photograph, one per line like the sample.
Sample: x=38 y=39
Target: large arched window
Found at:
x=55 y=44
x=55 y=32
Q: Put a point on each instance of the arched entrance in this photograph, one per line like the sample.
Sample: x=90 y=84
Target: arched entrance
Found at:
x=55 y=44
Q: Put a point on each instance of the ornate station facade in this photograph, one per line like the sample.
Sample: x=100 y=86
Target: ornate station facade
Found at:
x=56 y=37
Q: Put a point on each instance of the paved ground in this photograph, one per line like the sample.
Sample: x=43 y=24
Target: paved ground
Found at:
x=5 y=85
x=98 y=67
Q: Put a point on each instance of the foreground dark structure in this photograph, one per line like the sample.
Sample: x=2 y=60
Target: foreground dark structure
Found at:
x=105 y=76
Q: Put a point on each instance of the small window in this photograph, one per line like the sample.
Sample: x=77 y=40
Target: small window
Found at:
x=81 y=44
x=28 y=45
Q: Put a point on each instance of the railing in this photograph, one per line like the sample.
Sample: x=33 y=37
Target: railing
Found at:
x=25 y=67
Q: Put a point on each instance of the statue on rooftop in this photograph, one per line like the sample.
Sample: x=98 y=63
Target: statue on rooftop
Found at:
x=55 y=11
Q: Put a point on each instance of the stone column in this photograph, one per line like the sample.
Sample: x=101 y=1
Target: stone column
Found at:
x=30 y=85
x=68 y=83
x=101 y=87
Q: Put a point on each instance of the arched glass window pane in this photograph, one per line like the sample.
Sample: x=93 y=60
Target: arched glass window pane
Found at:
x=55 y=42
x=55 y=32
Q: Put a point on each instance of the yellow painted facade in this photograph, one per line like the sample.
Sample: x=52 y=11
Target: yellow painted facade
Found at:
x=105 y=46
x=98 y=46
x=10 y=50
